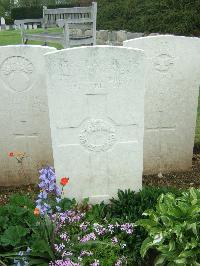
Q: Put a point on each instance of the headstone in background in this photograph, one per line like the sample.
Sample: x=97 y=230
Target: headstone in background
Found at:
x=24 y=121
x=3 y=23
x=96 y=114
x=171 y=101
x=30 y=27
x=35 y=26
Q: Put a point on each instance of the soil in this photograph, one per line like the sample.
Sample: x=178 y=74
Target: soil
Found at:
x=178 y=180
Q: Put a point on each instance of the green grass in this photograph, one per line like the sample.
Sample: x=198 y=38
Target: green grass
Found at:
x=14 y=37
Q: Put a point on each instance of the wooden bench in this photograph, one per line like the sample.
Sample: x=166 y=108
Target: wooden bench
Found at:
x=70 y=20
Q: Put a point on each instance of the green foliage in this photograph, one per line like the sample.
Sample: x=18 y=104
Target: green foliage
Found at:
x=20 y=229
x=13 y=235
x=16 y=224
x=174 y=229
x=41 y=242
x=163 y=16
x=130 y=205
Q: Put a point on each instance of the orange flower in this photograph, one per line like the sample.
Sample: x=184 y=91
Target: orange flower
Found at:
x=11 y=154
x=36 y=212
x=64 y=181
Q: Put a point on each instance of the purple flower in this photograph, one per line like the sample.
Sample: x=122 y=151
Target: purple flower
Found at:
x=86 y=253
x=88 y=237
x=42 y=195
x=111 y=228
x=120 y=261
x=114 y=240
x=58 y=208
x=84 y=226
x=58 y=199
x=64 y=236
x=99 y=229
x=47 y=186
x=127 y=227
x=66 y=262
x=95 y=263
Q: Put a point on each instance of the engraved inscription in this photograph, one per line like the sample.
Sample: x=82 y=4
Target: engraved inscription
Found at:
x=16 y=71
x=163 y=62
x=97 y=135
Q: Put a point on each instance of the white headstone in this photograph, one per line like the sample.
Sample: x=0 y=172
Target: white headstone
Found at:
x=34 y=26
x=24 y=123
x=3 y=22
x=25 y=26
x=170 y=102
x=7 y=27
x=96 y=115
x=30 y=26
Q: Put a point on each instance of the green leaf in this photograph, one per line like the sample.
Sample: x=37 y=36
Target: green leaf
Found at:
x=193 y=226
x=41 y=262
x=13 y=235
x=146 y=223
x=180 y=261
x=172 y=245
x=193 y=196
x=147 y=243
x=160 y=260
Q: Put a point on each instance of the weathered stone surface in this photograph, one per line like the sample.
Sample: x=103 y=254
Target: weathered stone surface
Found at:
x=171 y=101
x=121 y=36
x=133 y=35
x=96 y=114
x=102 y=37
x=23 y=113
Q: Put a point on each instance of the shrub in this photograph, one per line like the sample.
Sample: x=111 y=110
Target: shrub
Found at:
x=174 y=229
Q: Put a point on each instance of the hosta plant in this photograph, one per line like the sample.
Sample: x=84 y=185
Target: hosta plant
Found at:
x=174 y=229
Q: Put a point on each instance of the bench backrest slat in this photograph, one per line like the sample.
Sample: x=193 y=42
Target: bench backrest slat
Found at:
x=84 y=14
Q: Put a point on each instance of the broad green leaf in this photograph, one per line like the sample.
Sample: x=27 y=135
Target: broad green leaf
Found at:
x=193 y=196
x=160 y=260
x=180 y=261
x=147 y=243
x=146 y=223
x=172 y=245
x=13 y=235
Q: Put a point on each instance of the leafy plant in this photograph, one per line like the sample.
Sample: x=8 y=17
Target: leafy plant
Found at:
x=17 y=223
x=174 y=229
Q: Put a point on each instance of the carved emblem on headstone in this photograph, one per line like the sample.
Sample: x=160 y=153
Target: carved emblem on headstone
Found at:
x=97 y=135
x=163 y=62
x=17 y=72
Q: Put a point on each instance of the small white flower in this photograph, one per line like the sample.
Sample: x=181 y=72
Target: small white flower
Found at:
x=157 y=239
